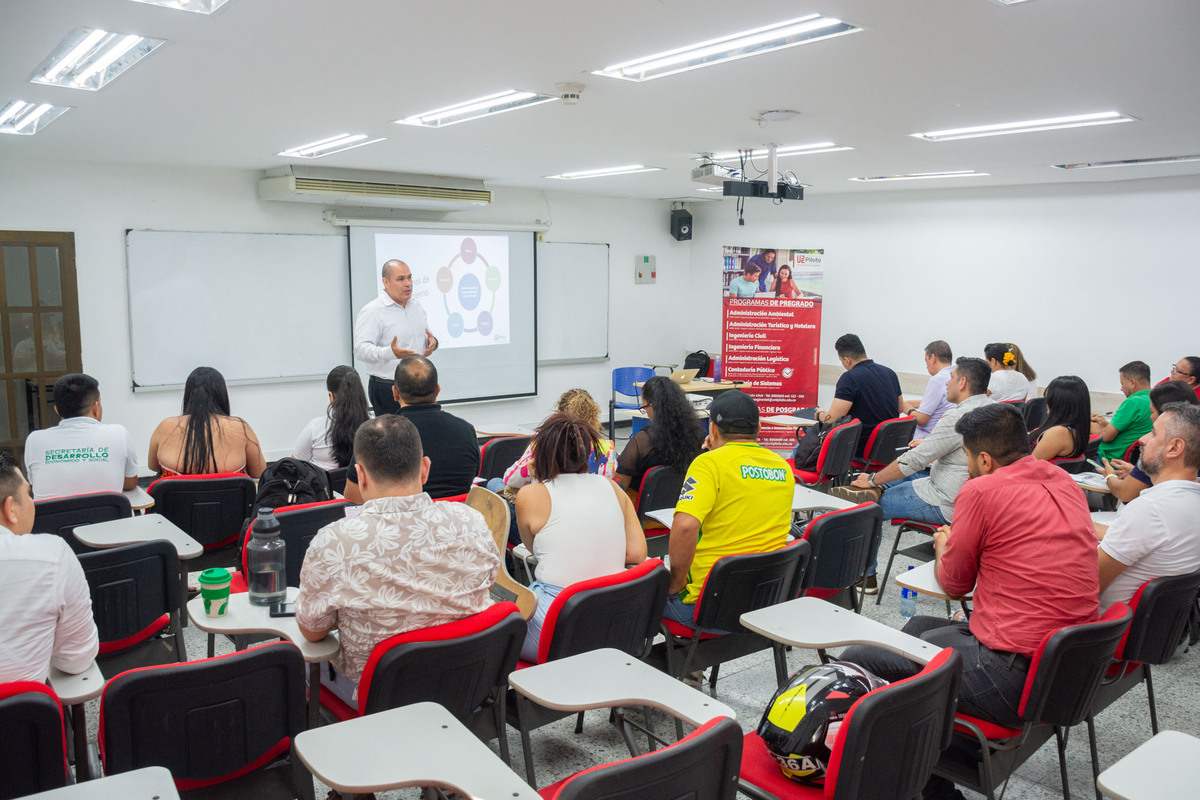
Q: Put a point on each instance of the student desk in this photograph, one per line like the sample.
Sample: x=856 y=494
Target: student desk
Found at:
x=416 y=745
x=1091 y=482
x=787 y=421
x=803 y=499
x=243 y=618
x=139 y=500
x=74 y=691
x=1167 y=765
x=707 y=387
x=148 y=783
x=922 y=579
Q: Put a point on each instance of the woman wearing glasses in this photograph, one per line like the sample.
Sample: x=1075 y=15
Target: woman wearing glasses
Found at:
x=1186 y=370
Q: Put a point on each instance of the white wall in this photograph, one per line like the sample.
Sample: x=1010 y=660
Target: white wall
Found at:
x=1084 y=277
x=99 y=202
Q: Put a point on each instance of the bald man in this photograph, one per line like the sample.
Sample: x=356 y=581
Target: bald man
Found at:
x=389 y=328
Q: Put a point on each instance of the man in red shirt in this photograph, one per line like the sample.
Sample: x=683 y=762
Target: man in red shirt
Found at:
x=1023 y=541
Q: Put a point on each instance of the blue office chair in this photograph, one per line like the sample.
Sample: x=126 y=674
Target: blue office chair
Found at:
x=623 y=383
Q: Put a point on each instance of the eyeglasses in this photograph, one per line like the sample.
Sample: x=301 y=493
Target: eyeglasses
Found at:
x=1175 y=370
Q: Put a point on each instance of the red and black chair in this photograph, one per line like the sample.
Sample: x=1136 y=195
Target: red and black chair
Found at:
x=1060 y=691
x=919 y=552
x=734 y=586
x=842 y=543
x=701 y=766
x=210 y=722
x=461 y=665
x=888 y=440
x=337 y=479
x=34 y=756
x=135 y=602
x=659 y=489
x=210 y=508
x=498 y=454
x=62 y=515
x=1073 y=465
x=298 y=526
x=885 y=748
x=1035 y=413
x=833 y=460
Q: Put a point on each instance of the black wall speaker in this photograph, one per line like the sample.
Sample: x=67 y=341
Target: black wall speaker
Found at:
x=681 y=225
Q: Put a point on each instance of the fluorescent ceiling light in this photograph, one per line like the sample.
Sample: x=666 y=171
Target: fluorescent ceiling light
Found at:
x=196 y=6
x=90 y=58
x=922 y=176
x=328 y=146
x=1009 y=2
x=754 y=42
x=788 y=150
x=604 y=172
x=710 y=188
x=1129 y=162
x=498 y=103
x=24 y=118
x=1027 y=126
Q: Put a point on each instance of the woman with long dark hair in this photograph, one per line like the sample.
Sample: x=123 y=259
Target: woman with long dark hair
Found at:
x=672 y=439
x=328 y=440
x=784 y=285
x=1067 y=428
x=1012 y=377
x=205 y=438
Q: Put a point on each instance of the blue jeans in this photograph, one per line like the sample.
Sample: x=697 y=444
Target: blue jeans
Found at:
x=545 y=594
x=899 y=500
x=684 y=613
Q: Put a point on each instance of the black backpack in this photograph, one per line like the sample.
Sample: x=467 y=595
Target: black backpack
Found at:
x=698 y=360
x=809 y=441
x=289 y=482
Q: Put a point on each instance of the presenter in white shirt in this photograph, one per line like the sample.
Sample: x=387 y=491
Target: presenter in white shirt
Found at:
x=389 y=328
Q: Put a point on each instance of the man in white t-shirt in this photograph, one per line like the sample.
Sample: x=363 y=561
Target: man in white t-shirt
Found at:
x=80 y=454
x=1157 y=534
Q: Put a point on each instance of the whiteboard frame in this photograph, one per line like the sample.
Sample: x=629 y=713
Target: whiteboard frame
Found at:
x=556 y=362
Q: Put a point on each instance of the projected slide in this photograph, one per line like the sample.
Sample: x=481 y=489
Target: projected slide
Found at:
x=462 y=281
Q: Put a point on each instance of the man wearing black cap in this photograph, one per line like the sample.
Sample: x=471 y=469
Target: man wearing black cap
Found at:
x=738 y=492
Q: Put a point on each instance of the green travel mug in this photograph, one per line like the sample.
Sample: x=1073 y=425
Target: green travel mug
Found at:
x=214 y=588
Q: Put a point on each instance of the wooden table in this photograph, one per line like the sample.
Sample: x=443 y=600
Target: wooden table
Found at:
x=416 y=745
x=708 y=387
x=243 y=618
x=787 y=421
x=1166 y=766
x=818 y=625
x=803 y=499
x=139 y=500
x=504 y=429
x=148 y=783
x=74 y=691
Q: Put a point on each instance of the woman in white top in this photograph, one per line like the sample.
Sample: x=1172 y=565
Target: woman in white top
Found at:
x=1012 y=377
x=328 y=441
x=579 y=525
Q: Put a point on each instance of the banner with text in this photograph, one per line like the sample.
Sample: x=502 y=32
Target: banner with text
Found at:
x=771 y=330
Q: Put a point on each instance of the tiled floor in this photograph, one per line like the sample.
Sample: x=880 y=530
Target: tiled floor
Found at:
x=747 y=684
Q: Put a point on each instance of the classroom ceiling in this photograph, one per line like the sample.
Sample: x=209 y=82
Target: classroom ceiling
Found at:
x=260 y=76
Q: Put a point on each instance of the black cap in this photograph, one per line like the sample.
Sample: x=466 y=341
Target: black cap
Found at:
x=734 y=412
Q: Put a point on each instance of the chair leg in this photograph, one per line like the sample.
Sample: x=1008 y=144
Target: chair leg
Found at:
x=212 y=645
x=579 y=723
x=499 y=707
x=1061 y=741
x=670 y=653
x=780 y=665
x=302 y=780
x=526 y=750
x=1091 y=727
x=888 y=569
x=712 y=678
x=619 y=721
x=1150 y=696
x=177 y=639
x=612 y=421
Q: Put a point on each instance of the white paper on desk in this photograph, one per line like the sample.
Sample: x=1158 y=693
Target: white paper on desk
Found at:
x=1093 y=479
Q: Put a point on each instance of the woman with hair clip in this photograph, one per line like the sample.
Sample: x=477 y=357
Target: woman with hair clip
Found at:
x=1068 y=422
x=205 y=439
x=328 y=440
x=784 y=285
x=1012 y=377
x=672 y=439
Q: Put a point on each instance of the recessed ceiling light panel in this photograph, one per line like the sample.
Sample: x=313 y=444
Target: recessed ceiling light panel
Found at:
x=195 y=6
x=923 y=176
x=604 y=172
x=91 y=58
x=1009 y=2
x=754 y=42
x=1129 y=162
x=24 y=118
x=489 y=105
x=784 y=150
x=1027 y=126
x=329 y=145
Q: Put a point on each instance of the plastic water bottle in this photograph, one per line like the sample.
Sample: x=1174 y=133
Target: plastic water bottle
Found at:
x=717 y=368
x=265 y=561
x=908 y=603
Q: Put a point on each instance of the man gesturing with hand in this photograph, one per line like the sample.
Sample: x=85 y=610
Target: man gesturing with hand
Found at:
x=389 y=328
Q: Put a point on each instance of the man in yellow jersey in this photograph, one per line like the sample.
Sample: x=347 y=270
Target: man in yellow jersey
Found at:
x=736 y=498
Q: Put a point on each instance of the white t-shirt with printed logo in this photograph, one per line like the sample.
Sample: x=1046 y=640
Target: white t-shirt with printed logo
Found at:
x=77 y=456
x=1157 y=534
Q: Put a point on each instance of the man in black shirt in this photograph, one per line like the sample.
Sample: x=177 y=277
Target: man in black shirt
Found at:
x=449 y=441
x=867 y=391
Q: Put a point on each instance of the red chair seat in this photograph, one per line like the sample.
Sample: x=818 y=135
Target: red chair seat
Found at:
x=525 y=664
x=822 y=593
x=991 y=730
x=153 y=629
x=807 y=476
x=686 y=631
x=914 y=524
x=237 y=582
x=336 y=705
x=760 y=769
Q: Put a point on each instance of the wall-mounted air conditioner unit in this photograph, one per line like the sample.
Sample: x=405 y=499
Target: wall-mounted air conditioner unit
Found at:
x=363 y=188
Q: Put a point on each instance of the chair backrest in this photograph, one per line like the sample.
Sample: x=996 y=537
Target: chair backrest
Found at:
x=34 y=756
x=624 y=380
x=889 y=439
x=659 y=489
x=892 y=737
x=298 y=525
x=741 y=583
x=622 y=611
x=842 y=545
x=458 y=665
x=1074 y=465
x=210 y=508
x=207 y=721
x=703 y=765
x=134 y=589
x=1067 y=668
x=1161 y=610
x=1132 y=452
x=838 y=449
x=62 y=515
x=500 y=453
x=337 y=479
x=1036 y=411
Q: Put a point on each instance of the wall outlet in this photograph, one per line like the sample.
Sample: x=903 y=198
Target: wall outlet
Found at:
x=644 y=269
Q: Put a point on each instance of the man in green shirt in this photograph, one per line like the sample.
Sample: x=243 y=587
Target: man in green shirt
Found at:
x=1131 y=421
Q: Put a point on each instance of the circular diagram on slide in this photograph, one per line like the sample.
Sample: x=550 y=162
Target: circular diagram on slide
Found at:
x=467 y=290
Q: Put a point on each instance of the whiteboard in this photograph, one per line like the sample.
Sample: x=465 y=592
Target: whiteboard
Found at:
x=256 y=306
x=572 y=302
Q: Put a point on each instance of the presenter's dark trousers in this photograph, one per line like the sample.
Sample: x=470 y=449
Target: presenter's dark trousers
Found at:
x=379 y=392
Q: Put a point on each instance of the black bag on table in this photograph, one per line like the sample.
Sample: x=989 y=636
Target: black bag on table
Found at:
x=698 y=360
x=289 y=482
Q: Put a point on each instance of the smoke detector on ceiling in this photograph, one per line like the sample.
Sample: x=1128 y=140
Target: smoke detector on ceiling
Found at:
x=765 y=118
x=569 y=93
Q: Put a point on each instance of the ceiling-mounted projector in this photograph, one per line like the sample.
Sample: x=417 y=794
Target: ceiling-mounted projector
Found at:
x=715 y=174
